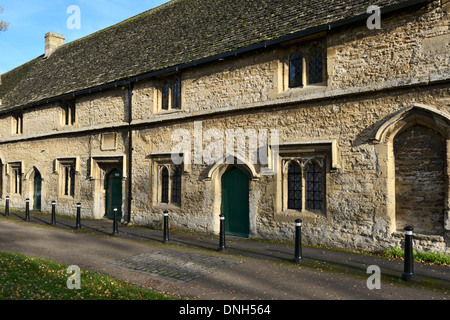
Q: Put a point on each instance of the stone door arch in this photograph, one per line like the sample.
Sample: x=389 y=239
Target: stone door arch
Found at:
x=37 y=191
x=413 y=148
x=113 y=194
x=101 y=167
x=34 y=187
x=213 y=182
x=235 y=202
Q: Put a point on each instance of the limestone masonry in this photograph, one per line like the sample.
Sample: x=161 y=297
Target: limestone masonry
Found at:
x=362 y=119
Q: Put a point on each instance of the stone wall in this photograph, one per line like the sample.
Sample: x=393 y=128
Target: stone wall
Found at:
x=421 y=186
x=356 y=214
x=409 y=46
x=372 y=75
x=42 y=155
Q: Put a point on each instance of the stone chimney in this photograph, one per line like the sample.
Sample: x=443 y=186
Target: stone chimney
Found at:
x=52 y=42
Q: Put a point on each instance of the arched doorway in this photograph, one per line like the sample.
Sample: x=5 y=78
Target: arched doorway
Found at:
x=113 y=194
x=235 y=202
x=420 y=182
x=37 y=190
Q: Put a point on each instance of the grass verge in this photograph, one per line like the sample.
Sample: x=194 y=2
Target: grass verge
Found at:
x=28 y=278
x=426 y=257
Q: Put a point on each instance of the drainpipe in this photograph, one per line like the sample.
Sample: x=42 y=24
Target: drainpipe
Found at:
x=130 y=149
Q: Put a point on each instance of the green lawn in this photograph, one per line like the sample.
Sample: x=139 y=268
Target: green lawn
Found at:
x=427 y=257
x=27 y=278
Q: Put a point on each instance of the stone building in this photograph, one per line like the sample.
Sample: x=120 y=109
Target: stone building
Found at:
x=266 y=111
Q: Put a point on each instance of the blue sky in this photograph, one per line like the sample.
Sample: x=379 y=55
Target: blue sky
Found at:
x=30 y=20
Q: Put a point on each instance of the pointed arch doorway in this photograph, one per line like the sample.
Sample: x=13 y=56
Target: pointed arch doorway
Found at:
x=37 y=191
x=113 y=196
x=235 y=202
x=414 y=144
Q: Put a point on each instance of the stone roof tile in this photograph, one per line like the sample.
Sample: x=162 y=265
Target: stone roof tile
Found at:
x=178 y=32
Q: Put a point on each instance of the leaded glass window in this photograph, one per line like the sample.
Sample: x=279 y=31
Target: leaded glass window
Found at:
x=294 y=186
x=307 y=64
x=314 y=186
x=164 y=185
x=315 y=63
x=171 y=93
x=176 y=186
x=295 y=71
x=176 y=94
x=165 y=96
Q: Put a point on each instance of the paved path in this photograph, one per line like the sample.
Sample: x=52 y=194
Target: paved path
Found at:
x=190 y=266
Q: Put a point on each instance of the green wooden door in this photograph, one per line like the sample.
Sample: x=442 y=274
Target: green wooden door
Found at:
x=113 y=186
x=235 y=204
x=37 y=191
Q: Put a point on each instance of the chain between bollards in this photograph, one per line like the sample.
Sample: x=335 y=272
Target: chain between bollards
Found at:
x=298 y=241
x=115 y=226
x=53 y=212
x=78 y=223
x=222 y=246
x=166 y=226
x=409 y=259
x=7 y=206
x=27 y=209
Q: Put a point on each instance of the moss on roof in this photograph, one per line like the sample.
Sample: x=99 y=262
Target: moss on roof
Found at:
x=175 y=33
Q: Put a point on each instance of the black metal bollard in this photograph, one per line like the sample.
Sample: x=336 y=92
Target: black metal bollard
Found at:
x=78 y=223
x=222 y=233
x=7 y=206
x=298 y=241
x=408 y=270
x=166 y=226
x=27 y=209
x=53 y=213
x=115 y=227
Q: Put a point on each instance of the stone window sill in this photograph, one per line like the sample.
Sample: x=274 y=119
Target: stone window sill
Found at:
x=167 y=206
x=418 y=236
x=290 y=215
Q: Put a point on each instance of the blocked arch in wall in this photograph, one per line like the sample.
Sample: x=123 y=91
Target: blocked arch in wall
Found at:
x=420 y=184
x=431 y=129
